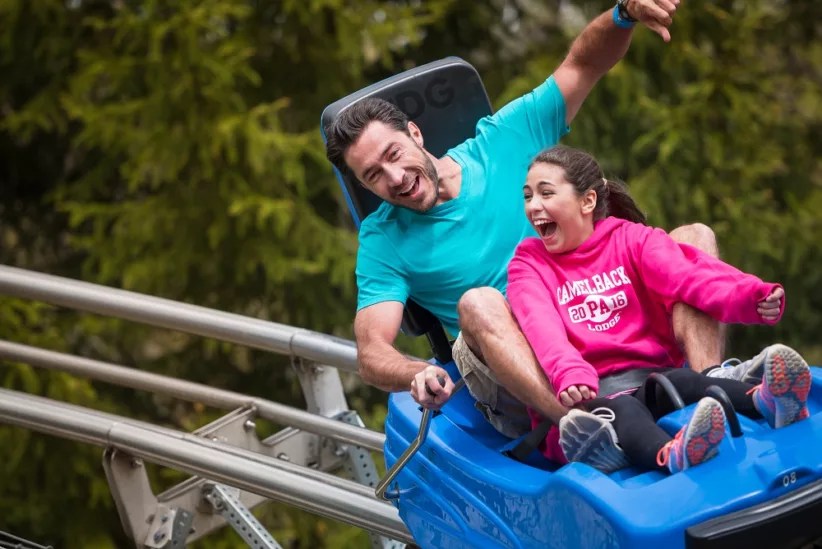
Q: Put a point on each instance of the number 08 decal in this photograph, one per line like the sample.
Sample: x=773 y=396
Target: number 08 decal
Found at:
x=789 y=479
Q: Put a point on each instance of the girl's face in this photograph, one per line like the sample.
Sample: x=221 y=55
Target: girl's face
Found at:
x=562 y=219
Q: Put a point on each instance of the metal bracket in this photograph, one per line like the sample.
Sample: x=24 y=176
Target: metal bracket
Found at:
x=169 y=529
x=360 y=465
x=238 y=428
x=322 y=387
x=139 y=507
x=132 y=494
x=225 y=502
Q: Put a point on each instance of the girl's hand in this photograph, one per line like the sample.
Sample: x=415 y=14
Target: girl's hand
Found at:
x=769 y=307
x=575 y=394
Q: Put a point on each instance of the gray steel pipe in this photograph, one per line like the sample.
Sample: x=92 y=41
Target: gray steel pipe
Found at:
x=193 y=319
x=196 y=440
x=192 y=392
x=246 y=470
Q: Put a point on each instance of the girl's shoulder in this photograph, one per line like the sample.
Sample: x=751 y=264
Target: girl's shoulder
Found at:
x=632 y=229
x=529 y=246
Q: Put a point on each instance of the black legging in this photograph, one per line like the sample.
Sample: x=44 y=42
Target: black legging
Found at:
x=635 y=424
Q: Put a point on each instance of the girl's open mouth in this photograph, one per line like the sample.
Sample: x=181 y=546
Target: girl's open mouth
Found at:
x=545 y=228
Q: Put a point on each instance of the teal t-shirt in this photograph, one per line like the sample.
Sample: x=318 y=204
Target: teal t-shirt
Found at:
x=436 y=256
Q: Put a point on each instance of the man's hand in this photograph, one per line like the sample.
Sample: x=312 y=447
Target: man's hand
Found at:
x=427 y=390
x=657 y=15
x=575 y=394
x=769 y=307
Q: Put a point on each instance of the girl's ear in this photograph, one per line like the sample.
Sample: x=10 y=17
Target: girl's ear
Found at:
x=588 y=201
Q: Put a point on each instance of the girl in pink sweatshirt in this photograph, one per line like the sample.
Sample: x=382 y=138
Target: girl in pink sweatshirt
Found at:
x=593 y=295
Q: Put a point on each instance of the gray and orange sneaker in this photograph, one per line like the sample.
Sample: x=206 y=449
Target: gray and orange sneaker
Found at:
x=696 y=442
x=752 y=370
x=782 y=396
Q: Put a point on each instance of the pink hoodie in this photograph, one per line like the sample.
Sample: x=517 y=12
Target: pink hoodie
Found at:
x=606 y=306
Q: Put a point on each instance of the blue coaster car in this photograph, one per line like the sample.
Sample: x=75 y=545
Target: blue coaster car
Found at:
x=764 y=489
x=462 y=490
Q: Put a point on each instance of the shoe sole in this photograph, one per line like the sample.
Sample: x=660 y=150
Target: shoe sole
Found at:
x=704 y=433
x=595 y=442
x=788 y=379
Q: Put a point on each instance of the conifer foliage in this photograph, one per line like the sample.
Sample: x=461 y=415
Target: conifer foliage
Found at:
x=172 y=148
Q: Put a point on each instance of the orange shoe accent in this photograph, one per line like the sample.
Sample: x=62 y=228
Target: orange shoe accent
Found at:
x=664 y=453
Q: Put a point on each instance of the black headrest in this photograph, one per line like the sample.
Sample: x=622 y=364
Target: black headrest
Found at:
x=445 y=99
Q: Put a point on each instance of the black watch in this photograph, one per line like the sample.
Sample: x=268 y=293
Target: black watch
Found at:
x=622 y=7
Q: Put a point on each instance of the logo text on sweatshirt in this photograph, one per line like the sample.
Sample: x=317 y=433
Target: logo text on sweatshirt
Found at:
x=596 y=284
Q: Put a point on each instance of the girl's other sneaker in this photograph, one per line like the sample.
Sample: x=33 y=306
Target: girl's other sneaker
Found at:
x=696 y=442
x=782 y=396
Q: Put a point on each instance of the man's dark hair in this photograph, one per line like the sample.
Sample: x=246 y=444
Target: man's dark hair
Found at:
x=351 y=122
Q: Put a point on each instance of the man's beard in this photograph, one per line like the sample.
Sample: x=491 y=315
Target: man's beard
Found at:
x=430 y=172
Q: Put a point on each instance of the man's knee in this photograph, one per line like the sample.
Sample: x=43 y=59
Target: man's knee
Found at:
x=484 y=313
x=699 y=236
x=478 y=304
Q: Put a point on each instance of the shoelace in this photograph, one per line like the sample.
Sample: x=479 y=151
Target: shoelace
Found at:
x=730 y=363
x=605 y=413
x=664 y=453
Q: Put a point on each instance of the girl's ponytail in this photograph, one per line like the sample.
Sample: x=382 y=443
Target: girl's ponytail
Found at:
x=619 y=203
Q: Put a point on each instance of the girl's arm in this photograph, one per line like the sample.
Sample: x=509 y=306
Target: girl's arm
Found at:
x=678 y=272
x=539 y=320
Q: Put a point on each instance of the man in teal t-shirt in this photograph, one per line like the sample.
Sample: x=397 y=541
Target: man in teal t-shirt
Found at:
x=449 y=226
x=464 y=242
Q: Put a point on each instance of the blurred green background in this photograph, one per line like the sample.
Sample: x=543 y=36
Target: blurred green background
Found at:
x=172 y=148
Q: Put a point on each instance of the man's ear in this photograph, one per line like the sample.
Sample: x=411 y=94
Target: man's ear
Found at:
x=415 y=132
x=589 y=201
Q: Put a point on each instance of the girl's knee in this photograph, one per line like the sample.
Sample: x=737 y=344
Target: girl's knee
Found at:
x=683 y=375
x=625 y=404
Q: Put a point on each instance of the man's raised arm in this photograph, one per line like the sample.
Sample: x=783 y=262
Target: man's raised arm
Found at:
x=602 y=44
x=382 y=365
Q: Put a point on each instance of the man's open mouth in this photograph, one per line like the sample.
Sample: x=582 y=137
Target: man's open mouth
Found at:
x=410 y=188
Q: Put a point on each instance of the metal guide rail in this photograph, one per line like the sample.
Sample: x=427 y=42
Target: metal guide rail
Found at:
x=233 y=469
x=11 y=541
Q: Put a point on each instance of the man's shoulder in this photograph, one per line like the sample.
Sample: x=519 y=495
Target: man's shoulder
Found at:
x=377 y=221
x=374 y=229
x=520 y=129
x=385 y=231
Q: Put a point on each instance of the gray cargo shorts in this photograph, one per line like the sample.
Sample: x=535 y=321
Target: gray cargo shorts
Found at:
x=507 y=414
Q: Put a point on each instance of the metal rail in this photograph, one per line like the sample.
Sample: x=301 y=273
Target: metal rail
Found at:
x=185 y=452
x=192 y=392
x=183 y=317
x=228 y=456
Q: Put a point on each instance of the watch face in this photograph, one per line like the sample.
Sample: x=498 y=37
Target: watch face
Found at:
x=623 y=10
